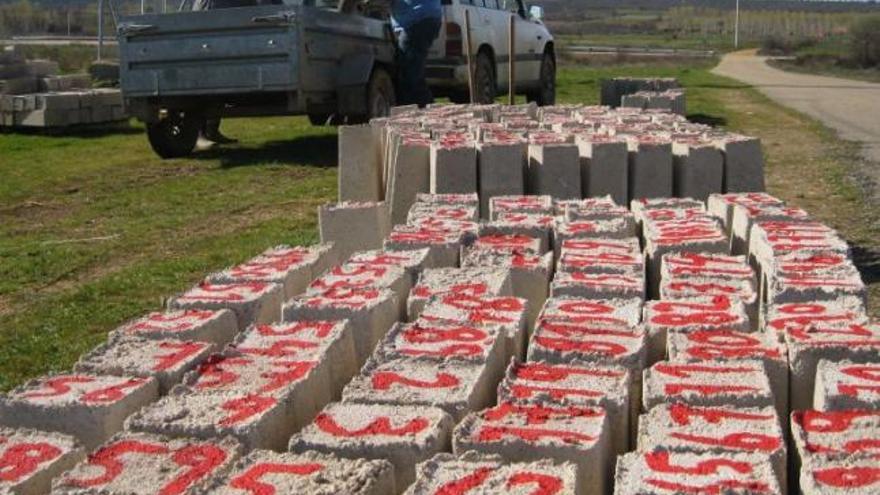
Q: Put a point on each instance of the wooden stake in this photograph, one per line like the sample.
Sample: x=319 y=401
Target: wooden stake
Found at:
x=467 y=53
x=511 y=70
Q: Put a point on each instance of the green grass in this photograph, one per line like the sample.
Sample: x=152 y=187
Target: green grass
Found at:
x=653 y=40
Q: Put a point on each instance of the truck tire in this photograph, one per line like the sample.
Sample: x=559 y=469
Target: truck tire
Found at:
x=380 y=94
x=546 y=94
x=485 y=86
x=174 y=136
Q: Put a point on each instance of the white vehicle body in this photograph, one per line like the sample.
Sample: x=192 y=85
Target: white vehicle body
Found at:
x=489 y=32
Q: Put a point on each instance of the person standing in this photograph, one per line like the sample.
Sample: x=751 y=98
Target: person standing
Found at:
x=416 y=25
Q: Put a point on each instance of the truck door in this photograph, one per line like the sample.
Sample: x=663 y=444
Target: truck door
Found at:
x=527 y=32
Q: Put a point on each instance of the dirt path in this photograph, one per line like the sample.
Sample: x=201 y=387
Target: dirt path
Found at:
x=852 y=108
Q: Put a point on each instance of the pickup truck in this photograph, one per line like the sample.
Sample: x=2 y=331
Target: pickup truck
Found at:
x=179 y=69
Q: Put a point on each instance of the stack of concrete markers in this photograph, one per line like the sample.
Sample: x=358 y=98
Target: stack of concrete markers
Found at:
x=567 y=152
x=564 y=346
x=34 y=94
x=613 y=91
x=672 y=100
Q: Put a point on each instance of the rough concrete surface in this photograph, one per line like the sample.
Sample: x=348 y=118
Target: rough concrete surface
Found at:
x=89 y=407
x=403 y=435
x=31 y=459
x=143 y=464
x=312 y=473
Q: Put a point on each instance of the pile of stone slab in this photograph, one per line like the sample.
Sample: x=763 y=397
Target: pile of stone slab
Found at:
x=672 y=100
x=613 y=91
x=558 y=346
x=34 y=94
x=566 y=152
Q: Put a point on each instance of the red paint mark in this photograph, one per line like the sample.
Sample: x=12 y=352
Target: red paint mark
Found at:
x=418 y=334
x=22 y=459
x=707 y=390
x=383 y=380
x=180 y=351
x=715 y=488
x=112 y=393
x=466 y=483
x=249 y=481
x=446 y=351
x=497 y=433
x=379 y=426
x=848 y=477
x=583 y=346
x=853 y=390
x=541 y=372
x=223 y=292
x=575 y=328
x=660 y=462
x=202 y=460
x=59 y=385
x=290 y=372
x=830 y=421
x=320 y=329
x=547 y=484
x=864 y=372
x=689 y=370
x=215 y=372
x=538 y=414
x=468 y=302
x=742 y=441
x=555 y=393
x=280 y=349
x=108 y=458
x=682 y=414
x=244 y=408
x=171 y=322
x=709 y=353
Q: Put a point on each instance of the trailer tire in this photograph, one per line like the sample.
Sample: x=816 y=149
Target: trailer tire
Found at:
x=485 y=86
x=380 y=94
x=545 y=95
x=174 y=136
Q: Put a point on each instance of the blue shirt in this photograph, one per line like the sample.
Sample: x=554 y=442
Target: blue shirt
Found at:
x=405 y=13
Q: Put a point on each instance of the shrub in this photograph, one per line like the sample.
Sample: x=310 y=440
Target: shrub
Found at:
x=865 y=49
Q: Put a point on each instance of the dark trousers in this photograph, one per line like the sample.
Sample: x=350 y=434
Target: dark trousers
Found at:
x=413 y=44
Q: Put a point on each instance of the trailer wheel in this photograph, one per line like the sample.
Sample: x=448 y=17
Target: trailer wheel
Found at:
x=380 y=94
x=546 y=94
x=174 y=136
x=484 y=80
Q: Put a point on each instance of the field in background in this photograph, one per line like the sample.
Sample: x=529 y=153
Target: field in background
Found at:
x=95 y=230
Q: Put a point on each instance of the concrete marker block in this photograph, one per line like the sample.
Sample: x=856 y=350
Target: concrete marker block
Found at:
x=165 y=360
x=354 y=226
x=143 y=463
x=32 y=458
x=403 y=435
x=306 y=473
x=530 y=432
x=707 y=384
x=218 y=327
x=252 y=302
x=846 y=385
x=89 y=407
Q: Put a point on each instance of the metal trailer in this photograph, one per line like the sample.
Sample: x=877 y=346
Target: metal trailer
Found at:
x=179 y=69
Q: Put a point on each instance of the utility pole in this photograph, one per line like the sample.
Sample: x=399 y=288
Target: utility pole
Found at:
x=736 y=27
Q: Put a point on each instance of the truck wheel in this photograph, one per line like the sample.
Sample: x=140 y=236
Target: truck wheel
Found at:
x=174 y=136
x=380 y=94
x=484 y=80
x=546 y=94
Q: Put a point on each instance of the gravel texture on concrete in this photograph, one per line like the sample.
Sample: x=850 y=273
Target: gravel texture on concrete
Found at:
x=530 y=432
x=312 y=473
x=142 y=464
x=217 y=326
x=477 y=474
x=31 y=459
x=846 y=385
x=403 y=435
x=89 y=407
x=165 y=360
